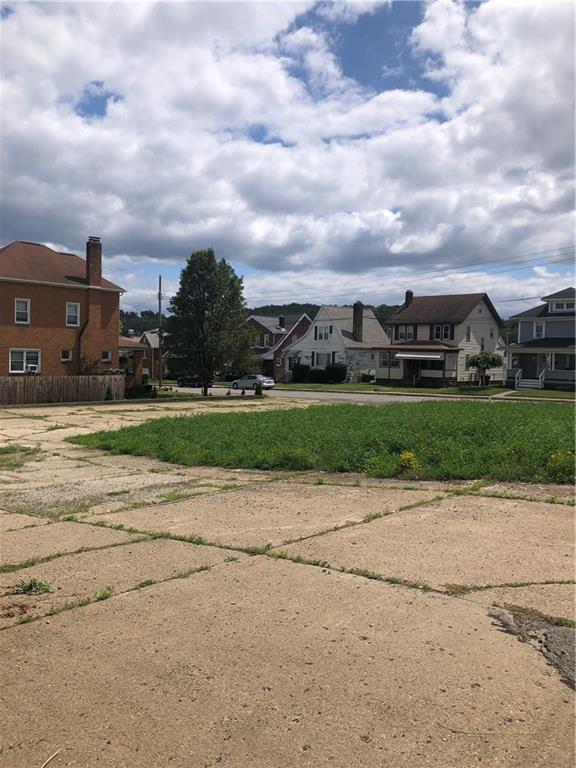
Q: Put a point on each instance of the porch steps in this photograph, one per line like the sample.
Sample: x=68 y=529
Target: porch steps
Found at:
x=529 y=384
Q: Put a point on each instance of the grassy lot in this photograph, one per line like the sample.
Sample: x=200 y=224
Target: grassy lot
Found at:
x=444 y=440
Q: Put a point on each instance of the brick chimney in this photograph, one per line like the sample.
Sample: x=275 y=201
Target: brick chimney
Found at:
x=94 y=261
x=282 y=321
x=357 y=320
x=408 y=298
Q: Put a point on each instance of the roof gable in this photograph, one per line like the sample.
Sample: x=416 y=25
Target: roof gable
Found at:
x=453 y=308
x=21 y=260
x=565 y=293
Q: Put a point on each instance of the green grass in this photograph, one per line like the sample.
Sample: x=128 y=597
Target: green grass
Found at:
x=551 y=394
x=450 y=440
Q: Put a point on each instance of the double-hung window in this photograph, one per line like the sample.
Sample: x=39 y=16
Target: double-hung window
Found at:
x=72 y=313
x=22 y=311
x=538 y=329
x=405 y=332
x=22 y=359
x=444 y=332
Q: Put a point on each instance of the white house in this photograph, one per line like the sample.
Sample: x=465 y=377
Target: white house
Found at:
x=347 y=335
x=432 y=338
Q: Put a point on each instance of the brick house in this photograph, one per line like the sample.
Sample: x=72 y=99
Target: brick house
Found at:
x=58 y=315
x=272 y=335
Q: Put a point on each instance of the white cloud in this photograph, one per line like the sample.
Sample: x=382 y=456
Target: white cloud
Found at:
x=351 y=180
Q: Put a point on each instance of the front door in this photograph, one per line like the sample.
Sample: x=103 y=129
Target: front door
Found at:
x=529 y=365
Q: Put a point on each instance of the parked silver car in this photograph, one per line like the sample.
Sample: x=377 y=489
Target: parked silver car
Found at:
x=251 y=381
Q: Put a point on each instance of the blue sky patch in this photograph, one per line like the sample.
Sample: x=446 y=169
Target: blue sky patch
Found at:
x=94 y=100
x=5 y=11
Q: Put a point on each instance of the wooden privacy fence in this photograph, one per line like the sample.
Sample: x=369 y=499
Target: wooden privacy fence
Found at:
x=20 y=390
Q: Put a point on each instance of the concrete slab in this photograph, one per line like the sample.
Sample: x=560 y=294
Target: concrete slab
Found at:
x=462 y=539
x=44 y=540
x=272 y=513
x=87 y=573
x=550 y=599
x=11 y=521
x=536 y=490
x=236 y=666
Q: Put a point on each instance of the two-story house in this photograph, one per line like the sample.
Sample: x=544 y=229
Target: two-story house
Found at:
x=433 y=337
x=347 y=335
x=58 y=315
x=272 y=335
x=544 y=354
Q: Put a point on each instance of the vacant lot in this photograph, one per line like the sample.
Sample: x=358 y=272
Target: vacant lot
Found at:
x=445 y=440
x=154 y=614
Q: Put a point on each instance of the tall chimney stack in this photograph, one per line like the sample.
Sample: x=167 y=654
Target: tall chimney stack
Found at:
x=94 y=261
x=357 y=320
x=282 y=321
x=408 y=298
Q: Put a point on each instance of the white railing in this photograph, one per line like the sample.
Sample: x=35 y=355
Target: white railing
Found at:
x=517 y=377
x=541 y=379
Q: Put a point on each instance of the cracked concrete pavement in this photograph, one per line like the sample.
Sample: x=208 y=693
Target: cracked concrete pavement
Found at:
x=207 y=616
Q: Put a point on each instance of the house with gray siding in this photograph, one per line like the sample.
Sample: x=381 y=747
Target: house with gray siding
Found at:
x=544 y=354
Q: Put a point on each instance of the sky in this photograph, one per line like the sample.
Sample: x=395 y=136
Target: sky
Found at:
x=330 y=151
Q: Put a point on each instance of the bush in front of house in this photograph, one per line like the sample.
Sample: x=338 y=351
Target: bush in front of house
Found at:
x=336 y=373
x=300 y=373
x=142 y=391
x=317 y=376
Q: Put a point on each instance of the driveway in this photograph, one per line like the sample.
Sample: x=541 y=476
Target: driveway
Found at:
x=156 y=615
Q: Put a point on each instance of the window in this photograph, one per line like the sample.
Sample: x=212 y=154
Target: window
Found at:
x=72 y=313
x=444 y=332
x=322 y=331
x=266 y=339
x=482 y=344
x=564 y=362
x=491 y=333
x=385 y=359
x=106 y=357
x=22 y=311
x=66 y=355
x=467 y=362
x=433 y=365
x=538 y=329
x=569 y=305
x=559 y=305
x=405 y=332
x=480 y=309
x=468 y=333
x=21 y=359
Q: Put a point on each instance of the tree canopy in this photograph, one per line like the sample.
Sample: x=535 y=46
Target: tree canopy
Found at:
x=206 y=328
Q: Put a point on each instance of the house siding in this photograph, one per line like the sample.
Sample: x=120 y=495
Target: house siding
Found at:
x=526 y=330
x=48 y=332
x=559 y=329
x=481 y=322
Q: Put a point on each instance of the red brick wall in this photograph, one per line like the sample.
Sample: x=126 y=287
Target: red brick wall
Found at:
x=48 y=331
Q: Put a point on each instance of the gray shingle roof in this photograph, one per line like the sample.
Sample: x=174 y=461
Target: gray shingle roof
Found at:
x=271 y=323
x=450 y=308
x=565 y=293
x=543 y=310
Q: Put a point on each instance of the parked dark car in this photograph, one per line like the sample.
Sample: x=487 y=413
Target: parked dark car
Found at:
x=191 y=380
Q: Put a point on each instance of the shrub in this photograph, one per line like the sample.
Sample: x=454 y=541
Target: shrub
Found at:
x=300 y=373
x=336 y=373
x=366 y=378
x=317 y=376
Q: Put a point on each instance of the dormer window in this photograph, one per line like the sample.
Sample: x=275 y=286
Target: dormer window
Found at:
x=405 y=332
x=442 y=332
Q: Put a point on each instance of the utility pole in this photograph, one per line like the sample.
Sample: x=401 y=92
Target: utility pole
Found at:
x=160 y=330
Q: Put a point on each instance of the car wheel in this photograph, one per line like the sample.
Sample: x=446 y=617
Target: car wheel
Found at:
x=234 y=385
x=255 y=386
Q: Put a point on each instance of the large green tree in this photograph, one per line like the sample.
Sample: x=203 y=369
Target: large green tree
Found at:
x=206 y=327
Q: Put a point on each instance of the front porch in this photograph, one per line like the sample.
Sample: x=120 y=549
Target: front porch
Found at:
x=417 y=366
x=539 y=369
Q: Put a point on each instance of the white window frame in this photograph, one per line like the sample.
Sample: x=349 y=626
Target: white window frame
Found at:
x=410 y=333
x=401 y=333
x=66 y=359
x=266 y=339
x=28 y=304
x=106 y=356
x=25 y=350
x=536 y=324
x=77 y=305
x=559 y=306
